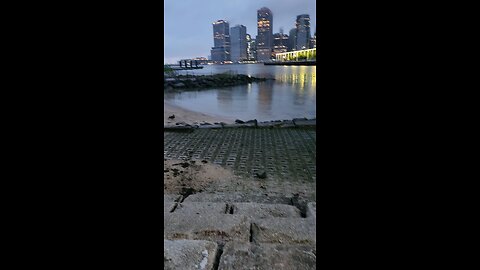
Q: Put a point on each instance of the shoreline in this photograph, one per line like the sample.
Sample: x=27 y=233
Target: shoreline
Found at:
x=188 y=116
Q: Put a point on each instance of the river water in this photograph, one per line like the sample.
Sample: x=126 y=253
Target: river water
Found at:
x=291 y=95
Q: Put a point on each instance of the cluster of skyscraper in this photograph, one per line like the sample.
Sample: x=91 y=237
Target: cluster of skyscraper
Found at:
x=235 y=45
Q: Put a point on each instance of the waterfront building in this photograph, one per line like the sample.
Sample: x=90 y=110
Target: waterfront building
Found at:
x=264 y=38
x=238 y=43
x=303 y=32
x=292 y=40
x=221 y=42
x=313 y=41
x=251 y=48
x=280 y=42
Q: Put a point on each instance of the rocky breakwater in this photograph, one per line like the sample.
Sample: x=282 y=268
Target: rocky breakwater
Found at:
x=294 y=123
x=208 y=81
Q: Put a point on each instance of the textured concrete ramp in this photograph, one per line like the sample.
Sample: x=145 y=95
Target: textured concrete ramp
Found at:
x=189 y=254
x=246 y=256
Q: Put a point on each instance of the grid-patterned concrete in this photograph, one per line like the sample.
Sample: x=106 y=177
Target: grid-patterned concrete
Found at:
x=284 y=153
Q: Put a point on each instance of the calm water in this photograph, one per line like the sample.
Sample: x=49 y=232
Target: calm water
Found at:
x=292 y=94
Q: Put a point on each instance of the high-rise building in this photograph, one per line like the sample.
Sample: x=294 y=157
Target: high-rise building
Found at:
x=221 y=41
x=280 y=42
x=265 y=34
x=303 y=32
x=292 y=40
x=238 y=40
x=251 y=48
x=313 y=41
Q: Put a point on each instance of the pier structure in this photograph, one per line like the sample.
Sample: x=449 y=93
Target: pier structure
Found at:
x=308 y=56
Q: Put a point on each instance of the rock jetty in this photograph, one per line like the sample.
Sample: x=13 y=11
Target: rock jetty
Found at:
x=208 y=81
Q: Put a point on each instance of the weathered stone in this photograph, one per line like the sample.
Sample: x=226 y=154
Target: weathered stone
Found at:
x=312 y=210
x=239 y=125
x=213 y=227
x=260 y=210
x=269 y=124
x=210 y=126
x=168 y=206
x=246 y=256
x=305 y=123
x=299 y=119
x=178 y=128
x=284 y=230
x=189 y=254
x=236 y=197
x=201 y=208
x=171 y=197
x=287 y=123
x=179 y=85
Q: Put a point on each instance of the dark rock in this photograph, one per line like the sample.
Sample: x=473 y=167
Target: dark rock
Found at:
x=262 y=175
x=254 y=122
x=179 y=85
x=171 y=116
x=299 y=119
x=238 y=121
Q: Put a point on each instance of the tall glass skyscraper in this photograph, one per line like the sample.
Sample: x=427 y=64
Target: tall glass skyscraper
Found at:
x=303 y=32
x=251 y=48
x=221 y=41
x=265 y=34
x=292 y=40
x=280 y=42
x=238 y=38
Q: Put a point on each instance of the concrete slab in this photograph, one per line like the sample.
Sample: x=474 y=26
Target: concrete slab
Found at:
x=204 y=208
x=284 y=230
x=171 y=197
x=168 y=207
x=236 y=197
x=260 y=210
x=189 y=254
x=212 y=227
x=312 y=210
x=243 y=256
x=305 y=123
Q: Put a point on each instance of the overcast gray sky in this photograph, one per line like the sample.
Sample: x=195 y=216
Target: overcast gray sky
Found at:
x=188 y=30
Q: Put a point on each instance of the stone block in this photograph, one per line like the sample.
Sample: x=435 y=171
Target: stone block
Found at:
x=212 y=227
x=284 y=230
x=210 y=126
x=201 y=208
x=237 y=197
x=312 y=210
x=246 y=256
x=305 y=123
x=168 y=206
x=189 y=254
x=171 y=197
x=260 y=210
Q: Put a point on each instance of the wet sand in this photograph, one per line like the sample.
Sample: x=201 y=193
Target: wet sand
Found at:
x=189 y=117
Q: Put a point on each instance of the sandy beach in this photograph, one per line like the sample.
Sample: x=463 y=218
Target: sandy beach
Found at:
x=189 y=117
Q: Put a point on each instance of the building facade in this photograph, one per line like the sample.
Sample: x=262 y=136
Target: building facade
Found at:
x=313 y=41
x=303 y=32
x=238 y=43
x=264 y=38
x=280 y=43
x=292 y=40
x=251 y=48
x=221 y=42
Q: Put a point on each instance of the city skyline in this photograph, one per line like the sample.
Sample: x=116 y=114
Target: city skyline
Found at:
x=188 y=24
